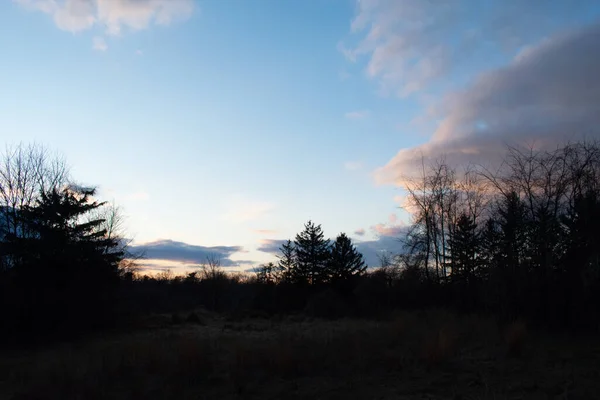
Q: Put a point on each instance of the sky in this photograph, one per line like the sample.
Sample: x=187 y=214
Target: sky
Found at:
x=221 y=127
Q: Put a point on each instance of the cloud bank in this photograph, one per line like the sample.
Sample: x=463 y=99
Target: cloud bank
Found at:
x=547 y=95
x=187 y=253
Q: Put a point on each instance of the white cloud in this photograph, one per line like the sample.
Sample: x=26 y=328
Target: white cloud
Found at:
x=99 y=44
x=389 y=230
x=409 y=44
x=112 y=15
x=549 y=94
x=360 y=114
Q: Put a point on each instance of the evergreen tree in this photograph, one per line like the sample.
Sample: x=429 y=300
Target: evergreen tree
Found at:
x=287 y=261
x=58 y=241
x=345 y=261
x=65 y=266
x=511 y=274
x=512 y=222
x=464 y=243
x=489 y=247
x=312 y=255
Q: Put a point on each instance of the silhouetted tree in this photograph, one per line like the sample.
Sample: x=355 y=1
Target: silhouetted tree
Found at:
x=25 y=172
x=286 y=261
x=267 y=274
x=580 y=261
x=55 y=234
x=64 y=264
x=312 y=255
x=465 y=246
x=345 y=261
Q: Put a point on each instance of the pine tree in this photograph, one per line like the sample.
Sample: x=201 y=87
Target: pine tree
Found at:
x=345 y=261
x=65 y=266
x=312 y=255
x=287 y=261
x=464 y=243
x=489 y=247
x=512 y=221
x=55 y=235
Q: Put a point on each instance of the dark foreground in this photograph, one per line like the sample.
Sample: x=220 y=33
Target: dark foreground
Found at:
x=432 y=355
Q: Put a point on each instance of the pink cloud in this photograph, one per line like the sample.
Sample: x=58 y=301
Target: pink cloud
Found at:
x=389 y=230
x=548 y=95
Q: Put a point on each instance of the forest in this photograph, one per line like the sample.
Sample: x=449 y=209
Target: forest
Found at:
x=518 y=245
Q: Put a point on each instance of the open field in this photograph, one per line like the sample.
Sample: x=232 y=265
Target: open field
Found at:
x=428 y=355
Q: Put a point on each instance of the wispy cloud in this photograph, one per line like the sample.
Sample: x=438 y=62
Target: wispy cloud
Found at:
x=99 y=44
x=360 y=114
x=410 y=44
x=111 y=15
x=548 y=95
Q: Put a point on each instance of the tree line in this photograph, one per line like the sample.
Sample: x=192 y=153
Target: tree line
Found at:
x=519 y=241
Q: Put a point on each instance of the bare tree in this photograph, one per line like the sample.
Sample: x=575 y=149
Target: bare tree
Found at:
x=434 y=196
x=211 y=269
x=26 y=171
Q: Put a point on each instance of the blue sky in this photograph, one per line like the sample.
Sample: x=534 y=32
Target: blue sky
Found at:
x=231 y=123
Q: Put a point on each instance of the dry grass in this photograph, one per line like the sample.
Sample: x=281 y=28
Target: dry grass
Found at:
x=435 y=355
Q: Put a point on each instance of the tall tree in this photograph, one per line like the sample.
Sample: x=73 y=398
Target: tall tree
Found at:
x=58 y=241
x=65 y=266
x=287 y=261
x=345 y=261
x=465 y=245
x=312 y=255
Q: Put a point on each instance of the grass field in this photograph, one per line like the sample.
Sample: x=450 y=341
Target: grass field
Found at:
x=428 y=355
